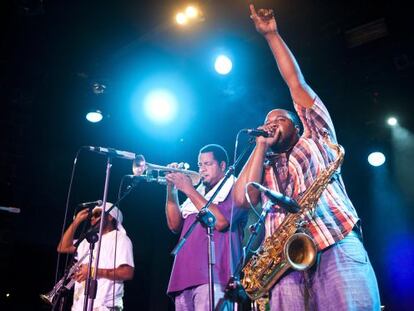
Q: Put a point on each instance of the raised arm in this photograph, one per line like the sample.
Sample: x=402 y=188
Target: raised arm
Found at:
x=66 y=243
x=265 y=24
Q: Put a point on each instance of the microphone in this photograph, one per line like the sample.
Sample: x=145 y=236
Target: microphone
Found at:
x=112 y=152
x=257 y=132
x=90 y=204
x=14 y=210
x=284 y=201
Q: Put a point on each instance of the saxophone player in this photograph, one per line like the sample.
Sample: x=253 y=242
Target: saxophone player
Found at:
x=288 y=161
x=116 y=262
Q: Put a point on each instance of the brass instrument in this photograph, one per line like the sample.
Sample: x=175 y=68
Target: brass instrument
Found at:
x=153 y=172
x=287 y=247
x=50 y=296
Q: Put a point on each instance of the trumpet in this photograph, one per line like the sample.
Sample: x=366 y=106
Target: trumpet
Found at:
x=64 y=283
x=153 y=172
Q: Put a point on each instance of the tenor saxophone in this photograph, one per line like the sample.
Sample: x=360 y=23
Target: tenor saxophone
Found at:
x=50 y=296
x=288 y=247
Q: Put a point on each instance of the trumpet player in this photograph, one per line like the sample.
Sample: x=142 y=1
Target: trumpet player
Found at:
x=288 y=161
x=116 y=263
x=188 y=284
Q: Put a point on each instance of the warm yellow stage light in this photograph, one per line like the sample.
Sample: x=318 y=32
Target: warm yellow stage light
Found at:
x=181 y=18
x=191 y=12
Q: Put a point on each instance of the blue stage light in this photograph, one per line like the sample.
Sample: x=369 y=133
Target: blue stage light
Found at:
x=94 y=116
x=376 y=158
x=223 y=65
x=160 y=105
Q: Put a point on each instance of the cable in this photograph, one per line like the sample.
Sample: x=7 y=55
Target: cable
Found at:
x=66 y=212
x=246 y=194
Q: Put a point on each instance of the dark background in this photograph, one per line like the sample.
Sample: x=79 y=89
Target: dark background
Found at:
x=357 y=55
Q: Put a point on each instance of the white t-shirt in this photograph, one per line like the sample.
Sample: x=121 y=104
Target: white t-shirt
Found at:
x=105 y=292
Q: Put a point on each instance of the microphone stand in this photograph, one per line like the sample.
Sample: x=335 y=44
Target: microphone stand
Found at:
x=91 y=282
x=207 y=219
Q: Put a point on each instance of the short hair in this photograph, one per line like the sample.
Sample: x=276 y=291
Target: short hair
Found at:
x=295 y=120
x=219 y=153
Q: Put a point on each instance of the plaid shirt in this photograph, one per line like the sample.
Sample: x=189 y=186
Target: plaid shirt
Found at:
x=334 y=216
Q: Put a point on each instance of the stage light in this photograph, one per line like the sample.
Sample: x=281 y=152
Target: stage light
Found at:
x=98 y=88
x=376 y=158
x=94 y=116
x=181 y=18
x=392 y=121
x=191 y=12
x=160 y=105
x=223 y=65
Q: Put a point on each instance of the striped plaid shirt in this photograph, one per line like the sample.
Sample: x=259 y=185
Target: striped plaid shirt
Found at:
x=334 y=216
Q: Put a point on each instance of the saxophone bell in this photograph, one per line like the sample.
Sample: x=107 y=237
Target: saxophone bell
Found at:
x=300 y=251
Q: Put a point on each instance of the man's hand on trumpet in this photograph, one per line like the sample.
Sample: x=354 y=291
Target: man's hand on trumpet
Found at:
x=181 y=181
x=81 y=274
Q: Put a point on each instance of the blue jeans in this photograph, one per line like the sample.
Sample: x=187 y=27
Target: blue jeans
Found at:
x=343 y=279
x=197 y=298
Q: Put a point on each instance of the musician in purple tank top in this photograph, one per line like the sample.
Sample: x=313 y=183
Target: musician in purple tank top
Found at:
x=188 y=284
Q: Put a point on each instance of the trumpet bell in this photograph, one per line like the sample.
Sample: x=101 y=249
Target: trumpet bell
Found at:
x=154 y=172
